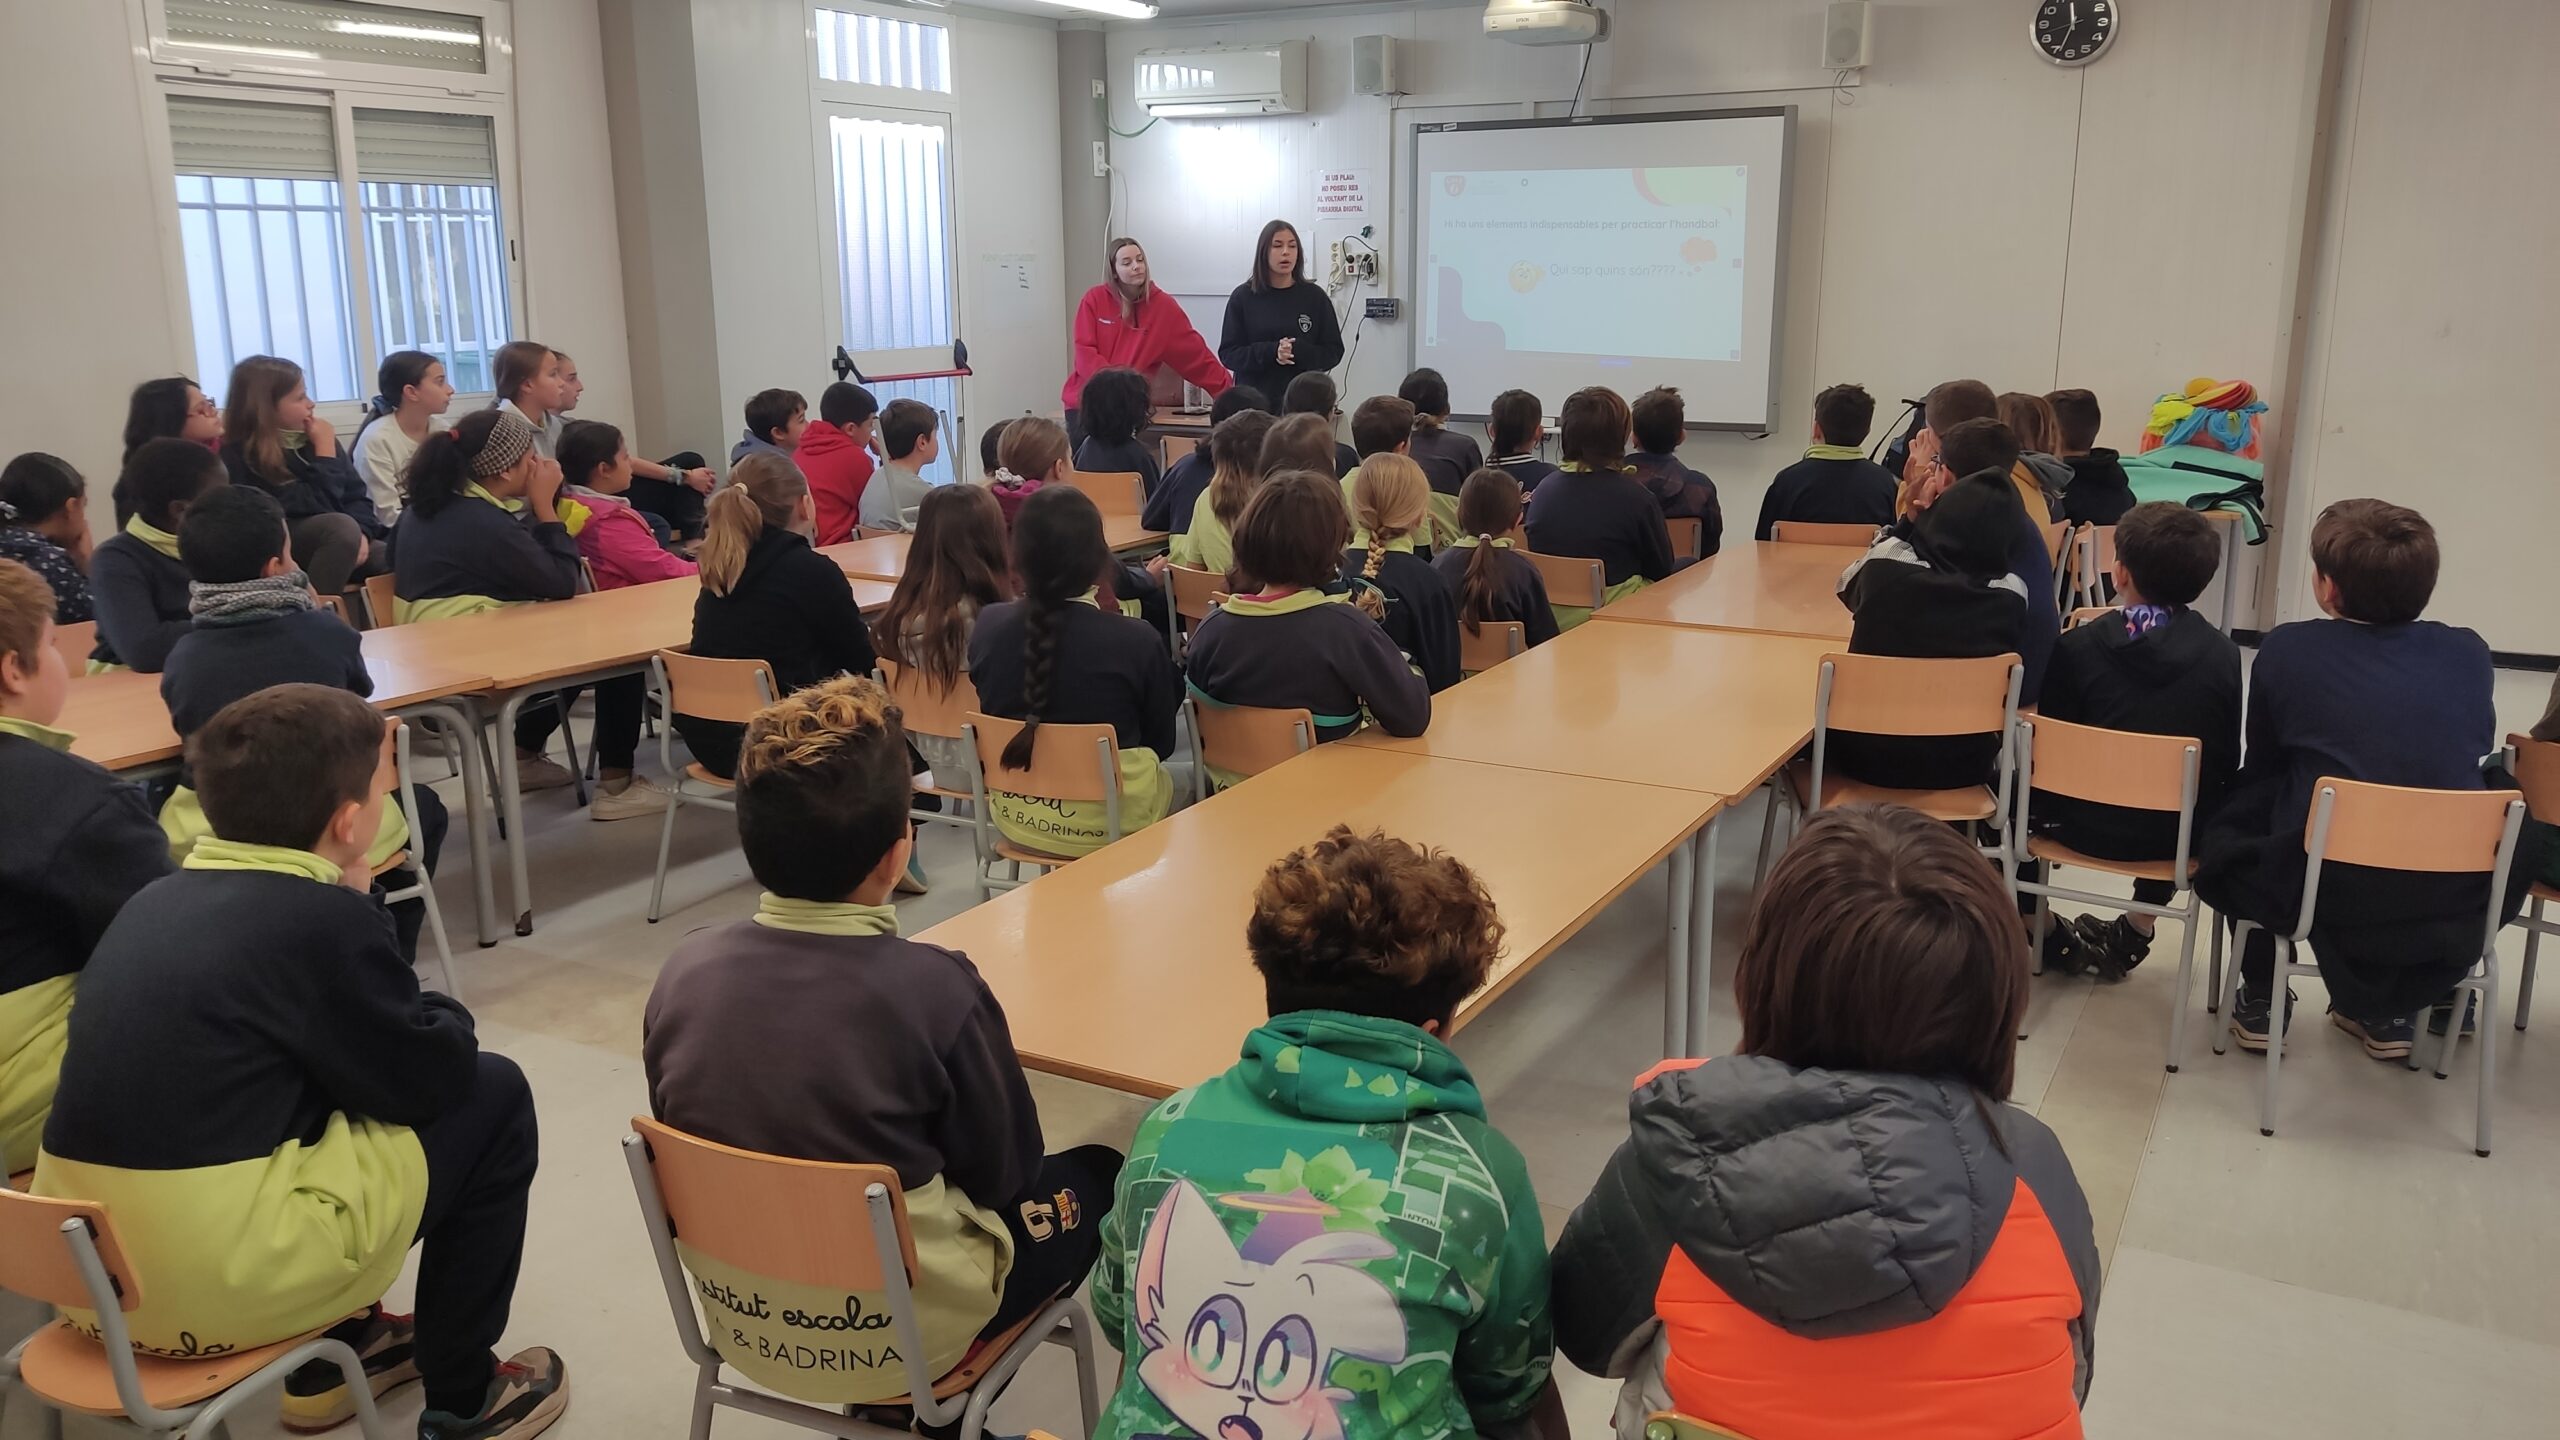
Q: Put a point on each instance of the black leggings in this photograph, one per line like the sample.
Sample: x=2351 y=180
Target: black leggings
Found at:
x=670 y=500
x=619 y=703
x=481 y=1156
x=1057 y=1231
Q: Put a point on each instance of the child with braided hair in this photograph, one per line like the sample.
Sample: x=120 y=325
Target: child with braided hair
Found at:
x=1390 y=506
x=1055 y=655
x=1494 y=583
x=812 y=1031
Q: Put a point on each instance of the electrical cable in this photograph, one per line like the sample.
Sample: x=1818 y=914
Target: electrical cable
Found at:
x=1576 y=107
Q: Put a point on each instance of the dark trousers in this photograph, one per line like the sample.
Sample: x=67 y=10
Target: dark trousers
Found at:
x=619 y=703
x=325 y=547
x=480 y=1162
x=1057 y=1231
x=1075 y=431
x=670 y=500
x=426 y=841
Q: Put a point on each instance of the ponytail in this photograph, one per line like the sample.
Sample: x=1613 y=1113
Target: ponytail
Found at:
x=1390 y=499
x=1476 y=587
x=440 y=473
x=399 y=370
x=764 y=490
x=1488 y=509
x=1058 y=555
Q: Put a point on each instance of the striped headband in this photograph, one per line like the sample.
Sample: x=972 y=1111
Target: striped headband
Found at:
x=507 y=442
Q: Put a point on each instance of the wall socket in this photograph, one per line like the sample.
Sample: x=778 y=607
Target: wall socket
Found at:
x=1101 y=160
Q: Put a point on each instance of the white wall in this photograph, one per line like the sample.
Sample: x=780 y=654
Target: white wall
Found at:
x=1966 y=209
x=573 y=259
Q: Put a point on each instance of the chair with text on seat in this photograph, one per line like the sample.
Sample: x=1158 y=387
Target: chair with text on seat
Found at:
x=1076 y=764
x=729 y=691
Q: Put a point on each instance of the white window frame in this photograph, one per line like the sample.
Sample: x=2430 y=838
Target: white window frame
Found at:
x=342 y=90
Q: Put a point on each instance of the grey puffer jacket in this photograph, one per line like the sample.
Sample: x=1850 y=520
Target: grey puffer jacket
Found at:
x=1830 y=1204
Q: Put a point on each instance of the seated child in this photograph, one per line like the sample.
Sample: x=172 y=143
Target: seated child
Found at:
x=136 y=584
x=1187 y=479
x=1330 y=1239
x=1282 y=642
x=1519 y=425
x=1056 y=656
x=775 y=421
x=1301 y=442
x=889 y=1053
x=1447 y=458
x=617 y=541
x=1596 y=508
x=1835 y=483
x=1484 y=568
x=957 y=566
x=408 y=406
x=1939 y=588
x=835 y=453
x=910 y=436
x=2371 y=693
x=2100 y=492
x=1843 y=1228
x=273 y=438
x=355 y=1116
x=259 y=626
x=1031 y=454
x=1235 y=452
x=766 y=595
x=1114 y=413
x=1390 y=503
x=75 y=844
x=1946 y=407
x=2039 y=436
x=2157 y=667
x=44 y=525
x=1970 y=448
x=1314 y=393
x=1660 y=420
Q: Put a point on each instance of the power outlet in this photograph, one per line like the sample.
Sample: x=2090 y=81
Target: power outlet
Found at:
x=1365 y=266
x=1101 y=160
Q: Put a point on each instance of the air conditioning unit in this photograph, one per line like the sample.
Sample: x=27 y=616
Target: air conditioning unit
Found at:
x=1546 y=22
x=1224 y=80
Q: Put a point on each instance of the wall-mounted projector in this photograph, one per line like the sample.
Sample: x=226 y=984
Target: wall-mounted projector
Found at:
x=1546 y=22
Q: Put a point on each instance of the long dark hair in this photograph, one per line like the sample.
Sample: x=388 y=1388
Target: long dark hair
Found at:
x=441 y=470
x=34 y=488
x=1058 y=554
x=1488 y=509
x=399 y=370
x=1428 y=393
x=1113 y=406
x=518 y=363
x=956 y=565
x=1262 y=254
x=585 y=447
x=158 y=411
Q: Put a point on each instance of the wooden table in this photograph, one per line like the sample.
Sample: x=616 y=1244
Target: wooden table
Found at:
x=1128 y=968
x=1760 y=586
x=117 y=720
x=884 y=557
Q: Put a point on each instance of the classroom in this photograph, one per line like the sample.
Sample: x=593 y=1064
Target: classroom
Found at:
x=1673 y=719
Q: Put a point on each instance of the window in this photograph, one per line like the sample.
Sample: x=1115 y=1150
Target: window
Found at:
x=429 y=187
x=892 y=231
x=265 y=236
x=340 y=32
x=876 y=50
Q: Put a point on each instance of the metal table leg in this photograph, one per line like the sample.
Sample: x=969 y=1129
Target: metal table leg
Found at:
x=1676 y=965
x=511 y=806
x=1702 y=938
x=461 y=716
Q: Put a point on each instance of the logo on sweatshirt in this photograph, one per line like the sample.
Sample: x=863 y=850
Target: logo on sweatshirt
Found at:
x=1306 y=324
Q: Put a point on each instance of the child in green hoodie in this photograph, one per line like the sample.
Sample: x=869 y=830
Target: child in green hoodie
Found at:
x=1329 y=1242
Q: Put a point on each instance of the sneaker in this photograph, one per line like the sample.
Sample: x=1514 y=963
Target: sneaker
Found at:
x=527 y=1394
x=2111 y=946
x=2383 y=1039
x=2062 y=954
x=2441 y=1015
x=2250 y=1015
x=317 y=1396
x=541 y=772
x=638 y=796
x=913 y=882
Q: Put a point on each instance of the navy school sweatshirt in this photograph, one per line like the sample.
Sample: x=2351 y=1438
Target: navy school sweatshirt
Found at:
x=1422 y=611
x=1313 y=652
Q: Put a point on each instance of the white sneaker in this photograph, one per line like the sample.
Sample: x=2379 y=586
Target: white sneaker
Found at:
x=541 y=772
x=640 y=797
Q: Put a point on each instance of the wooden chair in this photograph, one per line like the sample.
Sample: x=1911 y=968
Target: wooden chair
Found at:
x=2390 y=827
x=1571 y=578
x=2536 y=766
x=1194 y=594
x=1808 y=532
x=338 y=607
x=1116 y=492
x=2057 y=537
x=2092 y=558
x=730 y=691
x=1072 y=763
x=1688 y=536
x=423 y=889
x=1672 y=1425
x=1177 y=446
x=2158 y=773
x=928 y=710
x=74 y=642
x=64 y=1252
x=1894 y=695
x=832 y=1228
x=1242 y=741
x=381 y=602
x=1490 y=645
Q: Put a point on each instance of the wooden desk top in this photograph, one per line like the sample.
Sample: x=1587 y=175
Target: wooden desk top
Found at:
x=526 y=644
x=1716 y=711
x=117 y=720
x=884 y=557
x=1167 y=418
x=1763 y=586
x=1162 y=913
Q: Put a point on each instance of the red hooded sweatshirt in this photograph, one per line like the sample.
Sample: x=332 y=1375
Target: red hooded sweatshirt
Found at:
x=1159 y=334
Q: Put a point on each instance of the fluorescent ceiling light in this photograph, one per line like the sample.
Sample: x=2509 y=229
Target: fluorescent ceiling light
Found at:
x=275 y=51
x=406 y=32
x=1116 y=9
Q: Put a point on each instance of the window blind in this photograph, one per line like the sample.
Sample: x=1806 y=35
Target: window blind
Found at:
x=425 y=149
x=338 y=30
x=248 y=138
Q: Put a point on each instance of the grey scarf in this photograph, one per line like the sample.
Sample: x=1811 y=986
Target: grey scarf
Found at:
x=245 y=602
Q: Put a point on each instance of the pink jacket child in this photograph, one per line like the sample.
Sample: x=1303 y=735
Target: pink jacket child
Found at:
x=619 y=546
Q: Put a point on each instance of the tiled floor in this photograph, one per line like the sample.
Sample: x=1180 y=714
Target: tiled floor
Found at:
x=2360 y=1274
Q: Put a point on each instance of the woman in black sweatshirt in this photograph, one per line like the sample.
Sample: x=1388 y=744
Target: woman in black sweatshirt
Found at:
x=1277 y=328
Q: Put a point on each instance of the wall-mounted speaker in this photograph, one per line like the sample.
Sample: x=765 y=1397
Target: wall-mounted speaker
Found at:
x=1373 y=65
x=1848 y=35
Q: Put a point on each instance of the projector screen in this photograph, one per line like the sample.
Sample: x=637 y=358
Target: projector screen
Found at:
x=1626 y=251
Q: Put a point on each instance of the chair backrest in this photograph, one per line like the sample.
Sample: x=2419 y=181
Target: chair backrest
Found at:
x=798 y=1220
x=337 y=607
x=1177 y=446
x=723 y=690
x=1896 y=695
x=1688 y=535
x=2536 y=764
x=1571 y=579
x=2393 y=827
x=1115 y=492
x=2056 y=536
x=1491 y=645
x=1062 y=759
x=2085 y=614
x=37 y=1260
x=926 y=708
x=1809 y=532
x=2108 y=767
x=1195 y=592
x=381 y=598
x=75 y=641
x=1246 y=740
x=2097 y=551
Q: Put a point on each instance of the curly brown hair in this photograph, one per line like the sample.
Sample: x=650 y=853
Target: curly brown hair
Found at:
x=822 y=788
x=1372 y=925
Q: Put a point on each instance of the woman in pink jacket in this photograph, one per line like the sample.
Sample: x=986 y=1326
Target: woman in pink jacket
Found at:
x=1127 y=321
